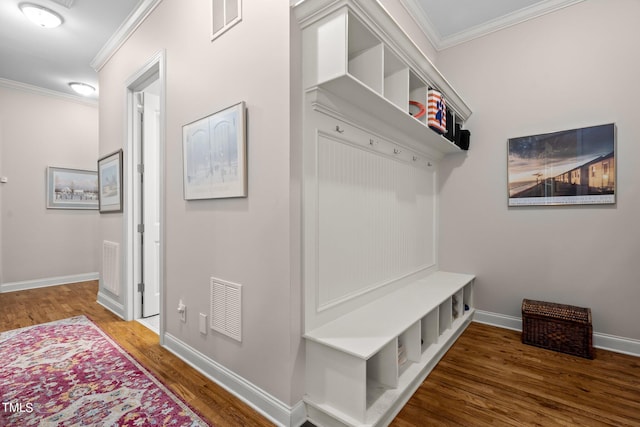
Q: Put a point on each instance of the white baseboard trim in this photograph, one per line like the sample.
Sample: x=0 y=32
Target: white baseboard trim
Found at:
x=614 y=343
x=499 y=320
x=269 y=406
x=50 y=281
x=110 y=304
x=618 y=344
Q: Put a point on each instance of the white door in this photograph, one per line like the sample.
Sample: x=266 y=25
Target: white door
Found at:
x=150 y=211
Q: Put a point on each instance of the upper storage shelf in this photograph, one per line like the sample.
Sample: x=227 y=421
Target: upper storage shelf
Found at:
x=355 y=50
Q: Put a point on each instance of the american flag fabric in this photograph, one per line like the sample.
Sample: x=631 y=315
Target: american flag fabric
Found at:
x=436 y=111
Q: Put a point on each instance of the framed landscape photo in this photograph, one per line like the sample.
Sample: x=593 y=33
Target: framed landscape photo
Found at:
x=71 y=188
x=214 y=153
x=571 y=167
x=110 y=182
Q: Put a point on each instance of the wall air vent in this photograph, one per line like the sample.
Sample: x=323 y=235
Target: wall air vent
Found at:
x=226 y=308
x=111 y=267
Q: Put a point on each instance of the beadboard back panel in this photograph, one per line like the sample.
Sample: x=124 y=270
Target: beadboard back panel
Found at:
x=374 y=220
x=371 y=223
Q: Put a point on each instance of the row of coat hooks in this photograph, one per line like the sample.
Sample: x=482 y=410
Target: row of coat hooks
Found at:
x=395 y=150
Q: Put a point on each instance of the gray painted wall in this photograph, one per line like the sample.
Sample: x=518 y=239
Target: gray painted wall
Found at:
x=37 y=131
x=245 y=240
x=569 y=69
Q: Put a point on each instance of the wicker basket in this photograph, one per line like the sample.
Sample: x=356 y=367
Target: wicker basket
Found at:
x=558 y=327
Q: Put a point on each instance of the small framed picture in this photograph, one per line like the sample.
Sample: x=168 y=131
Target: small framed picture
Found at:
x=110 y=182
x=71 y=188
x=214 y=155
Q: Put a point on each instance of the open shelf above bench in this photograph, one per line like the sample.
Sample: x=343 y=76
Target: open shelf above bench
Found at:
x=355 y=58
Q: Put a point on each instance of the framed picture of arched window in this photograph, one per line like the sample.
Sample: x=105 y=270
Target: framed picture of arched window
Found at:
x=214 y=155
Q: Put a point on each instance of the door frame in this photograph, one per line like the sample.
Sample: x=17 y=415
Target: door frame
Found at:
x=155 y=66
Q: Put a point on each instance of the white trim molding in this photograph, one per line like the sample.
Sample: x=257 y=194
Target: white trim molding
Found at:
x=110 y=304
x=441 y=42
x=269 y=406
x=46 y=282
x=122 y=34
x=614 y=343
x=37 y=90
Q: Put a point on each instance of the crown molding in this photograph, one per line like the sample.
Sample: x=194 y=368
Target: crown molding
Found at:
x=122 y=34
x=11 y=84
x=502 y=22
x=424 y=23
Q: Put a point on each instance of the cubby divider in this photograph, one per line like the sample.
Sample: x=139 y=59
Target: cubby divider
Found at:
x=457 y=305
x=430 y=329
x=445 y=316
x=396 y=81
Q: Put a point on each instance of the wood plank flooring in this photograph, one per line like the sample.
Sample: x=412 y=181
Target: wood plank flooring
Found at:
x=31 y=307
x=488 y=378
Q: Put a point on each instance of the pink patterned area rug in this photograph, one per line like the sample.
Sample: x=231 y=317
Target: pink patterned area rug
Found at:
x=70 y=373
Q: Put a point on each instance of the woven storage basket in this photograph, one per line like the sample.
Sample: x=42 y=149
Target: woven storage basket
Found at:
x=559 y=327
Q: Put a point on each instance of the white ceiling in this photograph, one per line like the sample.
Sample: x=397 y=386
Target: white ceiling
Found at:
x=450 y=22
x=51 y=58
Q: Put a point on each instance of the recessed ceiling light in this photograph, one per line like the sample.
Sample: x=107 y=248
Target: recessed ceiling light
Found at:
x=82 y=88
x=41 y=16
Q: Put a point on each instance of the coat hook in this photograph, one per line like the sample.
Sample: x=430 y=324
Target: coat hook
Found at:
x=429 y=164
x=415 y=158
x=371 y=142
x=339 y=130
x=396 y=151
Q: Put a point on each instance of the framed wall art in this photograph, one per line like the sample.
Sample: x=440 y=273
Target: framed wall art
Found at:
x=71 y=188
x=214 y=155
x=571 y=167
x=110 y=182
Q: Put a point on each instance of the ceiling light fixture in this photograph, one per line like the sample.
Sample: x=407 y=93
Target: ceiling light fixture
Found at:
x=82 y=88
x=41 y=16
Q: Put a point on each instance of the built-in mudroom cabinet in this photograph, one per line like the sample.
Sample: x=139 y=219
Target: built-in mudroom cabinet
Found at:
x=379 y=313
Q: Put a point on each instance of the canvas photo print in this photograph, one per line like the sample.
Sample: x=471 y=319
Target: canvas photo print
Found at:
x=563 y=168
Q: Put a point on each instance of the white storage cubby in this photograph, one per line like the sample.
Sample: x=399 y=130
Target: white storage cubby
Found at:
x=467 y=297
x=418 y=93
x=430 y=330
x=365 y=55
x=343 y=55
x=354 y=375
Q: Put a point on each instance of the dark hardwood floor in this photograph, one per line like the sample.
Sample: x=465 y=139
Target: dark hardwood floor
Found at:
x=488 y=378
x=31 y=307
